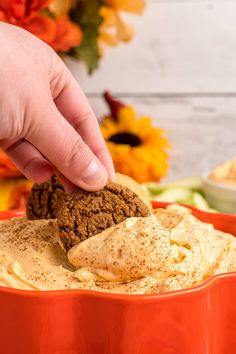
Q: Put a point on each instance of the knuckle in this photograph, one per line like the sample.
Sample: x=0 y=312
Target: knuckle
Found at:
x=59 y=78
x=74 y=152
x=77 y=122
x=101 y=150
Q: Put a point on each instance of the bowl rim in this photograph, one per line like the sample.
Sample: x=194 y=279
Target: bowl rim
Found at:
x=47 y=294
x=207 y=181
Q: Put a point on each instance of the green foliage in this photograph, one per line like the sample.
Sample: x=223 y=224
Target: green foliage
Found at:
x=86 y=14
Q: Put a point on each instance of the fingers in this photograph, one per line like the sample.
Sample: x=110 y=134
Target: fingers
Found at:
x=58 y=141
x=28 y=160
x=74 y=106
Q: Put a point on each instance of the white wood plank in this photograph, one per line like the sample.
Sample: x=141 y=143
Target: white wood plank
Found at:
x=201 y=130
x=180 y=46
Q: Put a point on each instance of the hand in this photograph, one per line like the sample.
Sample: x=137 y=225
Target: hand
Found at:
x=46 y=123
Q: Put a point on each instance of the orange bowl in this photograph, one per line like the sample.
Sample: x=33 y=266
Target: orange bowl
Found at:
x=200 y=320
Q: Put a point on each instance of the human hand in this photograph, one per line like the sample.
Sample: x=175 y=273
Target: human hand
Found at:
x=46 y=122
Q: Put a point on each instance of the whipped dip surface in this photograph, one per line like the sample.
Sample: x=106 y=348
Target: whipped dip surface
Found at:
x=225 y=173
x=137 y=256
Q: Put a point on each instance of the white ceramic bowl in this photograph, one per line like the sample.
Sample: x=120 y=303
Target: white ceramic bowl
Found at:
x=219 y=196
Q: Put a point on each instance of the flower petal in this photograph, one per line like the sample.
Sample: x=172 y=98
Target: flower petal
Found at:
x=7 y=168
x=41 y=26
x=21 y=9
x=126 y=119
x=124 y=31
x=134 y=6
x=108 y=15
x=68 y=34
x=61 y=7
x=109 y=39
x=3 y=16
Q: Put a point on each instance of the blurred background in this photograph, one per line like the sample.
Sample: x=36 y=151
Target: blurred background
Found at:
x=180 y=69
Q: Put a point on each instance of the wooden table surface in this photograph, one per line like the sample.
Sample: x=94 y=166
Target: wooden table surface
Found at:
x=180 y=68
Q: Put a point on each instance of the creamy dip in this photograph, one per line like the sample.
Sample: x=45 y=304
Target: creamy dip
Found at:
x=225 y=173
x=137 y=256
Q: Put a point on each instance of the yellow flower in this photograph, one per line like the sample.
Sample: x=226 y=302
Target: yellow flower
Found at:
x=61 y=7
x=113 y=28
x=135 y=6
x=137 y=148
x=14 y=192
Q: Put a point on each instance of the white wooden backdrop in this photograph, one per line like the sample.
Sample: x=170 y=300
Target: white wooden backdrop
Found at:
x=181 y=69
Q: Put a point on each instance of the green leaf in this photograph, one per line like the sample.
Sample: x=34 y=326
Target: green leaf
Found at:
x=86 y=14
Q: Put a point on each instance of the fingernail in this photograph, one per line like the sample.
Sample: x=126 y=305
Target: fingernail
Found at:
x=94 y=174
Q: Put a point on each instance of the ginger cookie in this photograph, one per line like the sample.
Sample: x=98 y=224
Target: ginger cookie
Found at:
x=84 y=214
x=44 y=199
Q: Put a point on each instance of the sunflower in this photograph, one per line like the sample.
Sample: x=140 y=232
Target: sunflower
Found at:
x=137 y=148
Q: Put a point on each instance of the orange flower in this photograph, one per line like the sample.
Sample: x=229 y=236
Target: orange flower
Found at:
x=43 y=27
x=19 y=194
x=14 y=190
x=7 y=168
x=16 y=10
x=59 y=33
x=3 y=17
x=14 y=193
x=24 y=14
x=68 y=34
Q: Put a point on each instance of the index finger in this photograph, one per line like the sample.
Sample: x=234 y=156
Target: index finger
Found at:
x=74 y=106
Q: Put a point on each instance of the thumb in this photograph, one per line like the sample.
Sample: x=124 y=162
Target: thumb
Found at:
x=59 y=142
